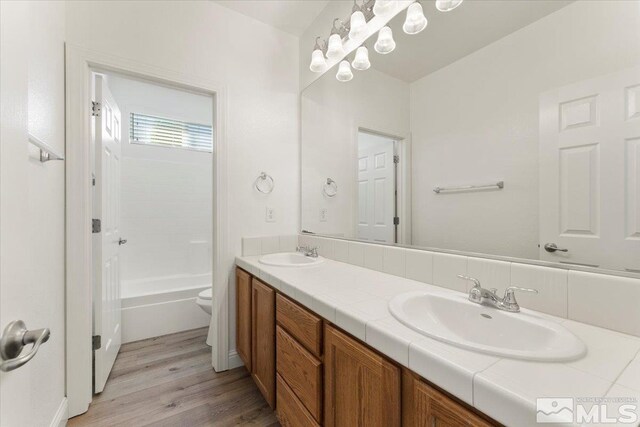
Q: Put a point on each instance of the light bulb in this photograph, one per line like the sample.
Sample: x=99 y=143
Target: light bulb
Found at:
x=361 y=61
x=385 y=43
x=335 y=49
x=447 y=5
x=344 y=72
x=415 y=21
x=383 y=7
x=358 y=24
x=318 y=63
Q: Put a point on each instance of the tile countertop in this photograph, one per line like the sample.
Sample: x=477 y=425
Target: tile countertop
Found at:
x=356 y=299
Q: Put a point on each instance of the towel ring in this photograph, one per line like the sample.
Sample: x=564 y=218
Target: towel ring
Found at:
x=330 y=188
x=264 y=183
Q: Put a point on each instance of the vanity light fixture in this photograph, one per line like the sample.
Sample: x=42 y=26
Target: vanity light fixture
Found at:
x=383 y=7
x=318 y=63
x=415 y=21
x=385 y=43
x=361 y=61
x=344 y=72
x=335 y=49
x=447 y=5
x=358 y=23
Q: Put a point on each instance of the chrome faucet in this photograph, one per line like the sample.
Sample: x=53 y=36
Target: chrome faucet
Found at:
x=479 y=295
x=311 y=252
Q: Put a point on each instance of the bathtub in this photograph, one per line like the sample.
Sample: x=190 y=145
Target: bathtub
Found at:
x=162 y=305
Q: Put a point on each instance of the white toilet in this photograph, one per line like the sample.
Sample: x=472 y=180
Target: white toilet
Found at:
x=204 y=300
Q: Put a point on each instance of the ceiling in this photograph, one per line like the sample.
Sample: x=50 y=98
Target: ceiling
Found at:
x=453 y=35
x=292 y=16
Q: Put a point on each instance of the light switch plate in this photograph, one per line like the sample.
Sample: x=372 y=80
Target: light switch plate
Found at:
x=270 y=214
x=323 y=214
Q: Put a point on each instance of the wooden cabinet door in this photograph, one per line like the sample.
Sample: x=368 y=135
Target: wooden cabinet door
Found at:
x=362 y=388
x=425 y=406
x=243 y=317
x=263 y=350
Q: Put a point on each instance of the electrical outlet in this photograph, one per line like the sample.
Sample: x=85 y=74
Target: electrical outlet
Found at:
x=270 y=214
x=323 y=214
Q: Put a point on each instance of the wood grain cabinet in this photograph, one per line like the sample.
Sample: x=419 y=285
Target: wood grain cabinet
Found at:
x=318 y=375
x=263 y=339
x=243 y=316
x=362 y=388
x=425 y=406
x=298 y=363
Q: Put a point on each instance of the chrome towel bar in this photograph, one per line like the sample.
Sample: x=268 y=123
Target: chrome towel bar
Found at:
x=46 y=152
x=499 y=185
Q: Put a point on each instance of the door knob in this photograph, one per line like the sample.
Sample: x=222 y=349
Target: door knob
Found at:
x=122 y=241
x=13 y=340
x=551 y=247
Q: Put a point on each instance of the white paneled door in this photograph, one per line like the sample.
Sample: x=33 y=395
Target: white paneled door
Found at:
x=590 y=172
x=106 y=242
x=376 y=188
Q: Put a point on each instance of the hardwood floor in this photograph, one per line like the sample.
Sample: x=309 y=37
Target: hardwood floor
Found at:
x=169 y=381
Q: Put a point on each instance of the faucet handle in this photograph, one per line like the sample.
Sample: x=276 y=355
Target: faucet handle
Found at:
x=509 y=300
x=509 y=292
x=476 y=282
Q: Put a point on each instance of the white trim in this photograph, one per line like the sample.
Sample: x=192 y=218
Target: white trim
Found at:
x=62 y=415
x=234 y=360
x=80 y=63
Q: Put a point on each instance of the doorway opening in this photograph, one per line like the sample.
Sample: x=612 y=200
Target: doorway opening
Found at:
x=378 y=187
x=152 y=148
x=82 y=68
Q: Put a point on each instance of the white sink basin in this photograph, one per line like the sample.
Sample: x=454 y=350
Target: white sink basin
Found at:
x=455 y=320
x=290 y=259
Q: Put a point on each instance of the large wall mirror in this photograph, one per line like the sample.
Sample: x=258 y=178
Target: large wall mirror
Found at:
x=509 y=128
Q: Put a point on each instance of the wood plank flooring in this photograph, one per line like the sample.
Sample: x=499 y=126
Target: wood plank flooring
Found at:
x=169 y=381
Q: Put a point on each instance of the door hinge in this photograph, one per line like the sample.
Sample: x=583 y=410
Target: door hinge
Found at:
x=96 y=342
x=96 y=225
x=95 y=108
x=93 y=180
x=396 y=220
x=396 y=159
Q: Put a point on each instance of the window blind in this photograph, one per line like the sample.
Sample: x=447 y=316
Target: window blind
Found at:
x=158 y=131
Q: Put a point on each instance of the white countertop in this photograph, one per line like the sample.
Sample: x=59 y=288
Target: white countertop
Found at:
x=356 y=299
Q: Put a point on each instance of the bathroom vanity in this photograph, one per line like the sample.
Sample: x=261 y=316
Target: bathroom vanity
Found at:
x=314 y=373
x=325 y=348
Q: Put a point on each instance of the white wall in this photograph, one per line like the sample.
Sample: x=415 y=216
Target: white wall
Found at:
x=256 y=63
x=476 y=121
x=332 y=113
x=32 y=204
x=166 y=192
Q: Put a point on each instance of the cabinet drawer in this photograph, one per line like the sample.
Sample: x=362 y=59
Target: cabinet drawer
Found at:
x=303 y=325
x=301 y=371
x=291 y=412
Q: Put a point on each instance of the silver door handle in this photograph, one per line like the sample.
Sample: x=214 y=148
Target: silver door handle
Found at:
x=122 y=241
x=551 y=247
x=13 y=340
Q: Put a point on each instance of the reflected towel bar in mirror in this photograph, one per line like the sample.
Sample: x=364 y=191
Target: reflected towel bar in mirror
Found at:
x=499 y=185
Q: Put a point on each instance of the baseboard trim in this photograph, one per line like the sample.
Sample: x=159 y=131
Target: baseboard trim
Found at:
x=62 y=415
x=234 y=360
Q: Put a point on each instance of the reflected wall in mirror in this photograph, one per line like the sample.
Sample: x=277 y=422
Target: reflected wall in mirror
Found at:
x=541 y=96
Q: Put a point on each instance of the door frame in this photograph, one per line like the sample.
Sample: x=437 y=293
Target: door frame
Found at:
x=79 y=65
x=402 y=148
